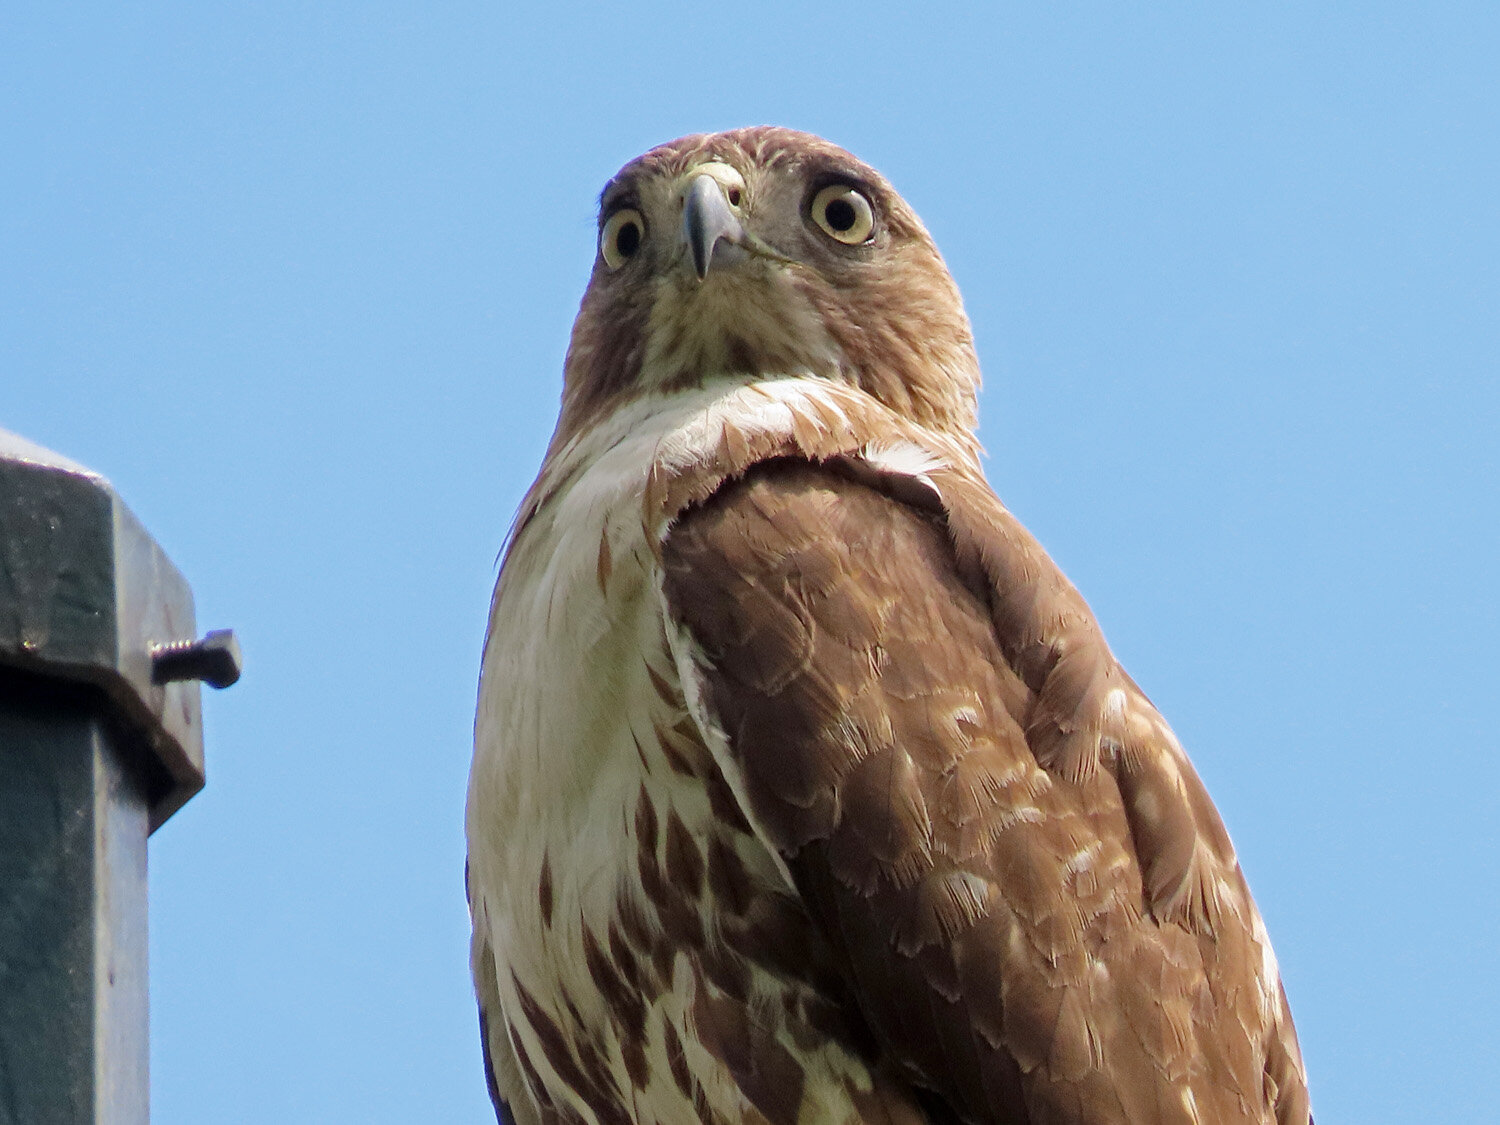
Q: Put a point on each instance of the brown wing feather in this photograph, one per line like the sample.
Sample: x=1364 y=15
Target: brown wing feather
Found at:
x=919 y=706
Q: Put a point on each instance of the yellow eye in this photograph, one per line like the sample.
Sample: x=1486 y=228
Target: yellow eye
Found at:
x=843 y=213
x=621 y=237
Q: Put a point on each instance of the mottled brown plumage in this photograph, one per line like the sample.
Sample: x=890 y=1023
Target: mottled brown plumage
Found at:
x=806 y=787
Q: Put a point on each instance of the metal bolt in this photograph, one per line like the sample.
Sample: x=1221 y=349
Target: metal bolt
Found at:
x=215 y=660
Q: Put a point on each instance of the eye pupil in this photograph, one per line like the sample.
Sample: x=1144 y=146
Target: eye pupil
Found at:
x=628 y=239
x=840 y=214
x=734 y=197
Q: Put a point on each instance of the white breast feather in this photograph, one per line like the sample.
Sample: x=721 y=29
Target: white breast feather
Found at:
x=565 y=698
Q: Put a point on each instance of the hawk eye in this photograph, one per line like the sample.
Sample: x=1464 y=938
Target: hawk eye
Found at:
x=621 y=236
x=844 y=213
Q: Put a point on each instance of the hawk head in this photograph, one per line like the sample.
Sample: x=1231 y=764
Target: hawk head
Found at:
x=763 y=252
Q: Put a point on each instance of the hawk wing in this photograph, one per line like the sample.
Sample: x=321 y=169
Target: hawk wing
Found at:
x=1028 y=890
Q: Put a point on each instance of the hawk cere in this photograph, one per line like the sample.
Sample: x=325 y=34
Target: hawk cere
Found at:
x=805 y=786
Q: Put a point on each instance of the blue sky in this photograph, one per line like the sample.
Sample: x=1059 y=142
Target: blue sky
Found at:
x=298 y=278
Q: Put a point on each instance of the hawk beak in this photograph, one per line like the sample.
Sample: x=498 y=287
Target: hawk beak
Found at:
x=707 y=220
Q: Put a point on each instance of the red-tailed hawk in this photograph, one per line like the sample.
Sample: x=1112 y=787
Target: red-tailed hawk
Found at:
x=805 y=787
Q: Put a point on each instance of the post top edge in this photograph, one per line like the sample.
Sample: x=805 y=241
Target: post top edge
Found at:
x=13 y=447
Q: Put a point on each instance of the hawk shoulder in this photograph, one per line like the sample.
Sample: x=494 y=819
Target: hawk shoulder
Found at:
x=1027 y=888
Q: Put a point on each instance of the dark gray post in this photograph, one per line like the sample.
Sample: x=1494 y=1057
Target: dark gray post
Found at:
x=100 y=741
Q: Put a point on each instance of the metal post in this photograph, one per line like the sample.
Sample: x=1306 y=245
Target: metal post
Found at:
x=100 y=741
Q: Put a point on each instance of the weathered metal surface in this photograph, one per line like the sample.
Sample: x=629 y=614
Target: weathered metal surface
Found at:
x=73 y=996
x=101 y=740
x=87 y=596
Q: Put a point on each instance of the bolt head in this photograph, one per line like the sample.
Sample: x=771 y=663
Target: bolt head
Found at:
x=216 y=660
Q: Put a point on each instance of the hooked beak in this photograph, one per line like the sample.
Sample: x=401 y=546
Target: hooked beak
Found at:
x=708 y=220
